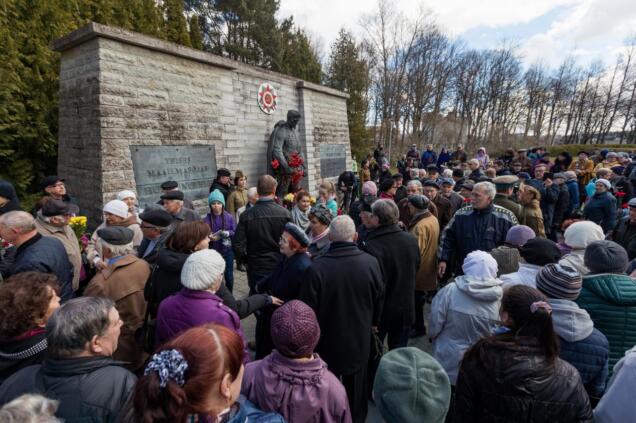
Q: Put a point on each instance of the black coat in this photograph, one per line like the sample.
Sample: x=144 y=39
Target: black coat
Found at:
x=398 y=253
x=45 y=254
x=345 y=288
x=561 y=206
x=165 y=279
x=506 y=382
x=18 y=354
x=258 y=233
x=225 y=189
x=89 y=389
x=151 y=256
x=625 y=235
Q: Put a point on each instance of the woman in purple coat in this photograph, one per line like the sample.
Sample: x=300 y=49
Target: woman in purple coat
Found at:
x=222 y=225
x=197 y=303
x=293 y=381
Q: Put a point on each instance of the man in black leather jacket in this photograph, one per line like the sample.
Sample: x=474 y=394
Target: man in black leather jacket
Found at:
x=259 y=231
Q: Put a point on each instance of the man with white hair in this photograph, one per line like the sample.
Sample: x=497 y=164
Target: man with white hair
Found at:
x=35 y=252
x=123 y=281
x=344 y=287
x=480 y=226
x=53 y=220
x=252 y=198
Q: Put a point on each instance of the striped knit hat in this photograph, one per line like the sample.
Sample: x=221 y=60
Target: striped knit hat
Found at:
x=559 y=282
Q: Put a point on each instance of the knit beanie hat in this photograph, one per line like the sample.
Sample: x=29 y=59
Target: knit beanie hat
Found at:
x=122 y=195
x=605 y=257
x=480 y=264
x=540 y=251
x=216 y=196
x=116 y=207
x=411 y=386
x=295 y=330
x=201 y=269
x=581 y=234
x=518 y=235
x=560 y=282
x=369 y=188
x=605 y=182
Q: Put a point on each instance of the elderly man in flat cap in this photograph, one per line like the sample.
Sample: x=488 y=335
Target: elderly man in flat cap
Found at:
x=156 y=225
x=174 y=186
x=122 y=281
x=53 y=220
x=505 y=186
x=173 y=203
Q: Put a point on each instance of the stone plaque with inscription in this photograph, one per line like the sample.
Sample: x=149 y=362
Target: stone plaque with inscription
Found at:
x=333 y=160
x=192 y=166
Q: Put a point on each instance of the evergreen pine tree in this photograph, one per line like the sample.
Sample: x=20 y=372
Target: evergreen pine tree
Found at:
x=349 y=72
x=196 y=38
x=176 y=28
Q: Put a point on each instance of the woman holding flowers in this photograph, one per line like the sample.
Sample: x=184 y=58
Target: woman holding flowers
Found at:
x=222 y=225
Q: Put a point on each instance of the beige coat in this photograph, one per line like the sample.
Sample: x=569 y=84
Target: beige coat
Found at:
x=71 y=244
x=93 y=249
x=533 y=218
x=236 y=200
x=426 y=231
x=123 y=282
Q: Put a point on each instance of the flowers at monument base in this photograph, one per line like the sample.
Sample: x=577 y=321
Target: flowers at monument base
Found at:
x=79 y=226
x=296 y=160
x=296 y=163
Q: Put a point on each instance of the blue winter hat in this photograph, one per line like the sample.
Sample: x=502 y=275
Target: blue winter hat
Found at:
x=216 y=195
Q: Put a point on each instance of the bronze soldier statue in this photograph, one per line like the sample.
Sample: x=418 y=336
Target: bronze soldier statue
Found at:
x=283 y=145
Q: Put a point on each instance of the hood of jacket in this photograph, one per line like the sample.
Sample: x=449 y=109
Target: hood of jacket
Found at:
x=480 y=289
x=170 y=260
x=570 y=322
x=295 y=372
x=612 y=288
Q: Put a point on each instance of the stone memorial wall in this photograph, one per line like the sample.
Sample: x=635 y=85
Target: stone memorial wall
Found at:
x=120 y=90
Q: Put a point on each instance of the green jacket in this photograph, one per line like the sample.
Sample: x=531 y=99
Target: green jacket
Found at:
x=610 y=300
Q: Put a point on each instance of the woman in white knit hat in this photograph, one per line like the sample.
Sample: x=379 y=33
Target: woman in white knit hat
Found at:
x=130 y=198
x=115 y=214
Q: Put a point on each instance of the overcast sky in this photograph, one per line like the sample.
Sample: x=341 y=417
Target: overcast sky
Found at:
x=546 y=30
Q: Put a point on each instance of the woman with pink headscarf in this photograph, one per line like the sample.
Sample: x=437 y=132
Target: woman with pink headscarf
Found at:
x=482 y=157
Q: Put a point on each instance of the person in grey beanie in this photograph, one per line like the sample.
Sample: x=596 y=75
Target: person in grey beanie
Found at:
x=609 y=296
x=581 y=345
x=507 y=255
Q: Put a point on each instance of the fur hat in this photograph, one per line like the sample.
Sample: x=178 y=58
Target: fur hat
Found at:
x=581 y=234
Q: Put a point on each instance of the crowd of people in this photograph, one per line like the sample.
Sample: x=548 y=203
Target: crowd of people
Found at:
x=527 y=262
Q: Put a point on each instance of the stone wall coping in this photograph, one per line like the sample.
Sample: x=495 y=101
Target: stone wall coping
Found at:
x=94 y=30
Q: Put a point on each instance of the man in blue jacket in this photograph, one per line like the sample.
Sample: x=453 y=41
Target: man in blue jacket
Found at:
x=480 y=226
x=428 y=157
x=35 y=252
